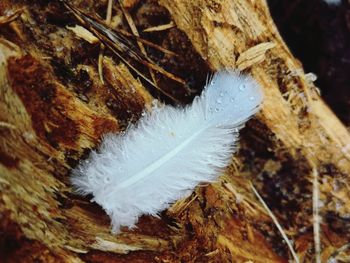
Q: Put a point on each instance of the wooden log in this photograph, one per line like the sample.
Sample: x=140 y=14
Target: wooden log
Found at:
x=54 y=109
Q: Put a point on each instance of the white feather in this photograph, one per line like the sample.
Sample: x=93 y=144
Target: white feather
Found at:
x=169 y=151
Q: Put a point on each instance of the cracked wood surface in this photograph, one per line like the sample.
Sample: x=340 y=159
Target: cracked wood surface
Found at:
x=53 y=109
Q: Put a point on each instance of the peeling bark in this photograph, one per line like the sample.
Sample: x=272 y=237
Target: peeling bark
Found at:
x=54 y=109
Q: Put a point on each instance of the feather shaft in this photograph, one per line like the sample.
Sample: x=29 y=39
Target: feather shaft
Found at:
x=151 y=168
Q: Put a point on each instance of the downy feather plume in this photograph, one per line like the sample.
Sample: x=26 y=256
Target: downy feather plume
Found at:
x=169 y=151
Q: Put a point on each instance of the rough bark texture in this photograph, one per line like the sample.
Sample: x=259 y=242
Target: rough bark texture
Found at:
x=54 y=108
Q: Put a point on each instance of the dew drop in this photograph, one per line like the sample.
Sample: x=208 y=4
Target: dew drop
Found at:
x=217 y=109
x=232 y=99
x=221 y=94
x=251 y=98
x=107 y=180
x=219 y=100
x=210 y=109
x=242 y=87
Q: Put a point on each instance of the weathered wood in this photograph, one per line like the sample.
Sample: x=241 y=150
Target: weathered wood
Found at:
x=54 y=108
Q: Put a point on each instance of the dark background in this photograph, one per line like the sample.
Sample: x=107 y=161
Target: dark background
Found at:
x=318 y=34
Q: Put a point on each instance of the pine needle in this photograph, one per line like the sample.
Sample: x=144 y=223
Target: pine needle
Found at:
x=146 y=42
x=279 y=227
x=134 y=30
x=102 y=47
x=160 y=27
x=119 y=45
x=316 y=216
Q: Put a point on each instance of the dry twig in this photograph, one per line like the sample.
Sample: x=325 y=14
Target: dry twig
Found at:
x=279 y=227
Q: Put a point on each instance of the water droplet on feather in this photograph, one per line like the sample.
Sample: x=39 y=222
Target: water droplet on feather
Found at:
x=242 y=87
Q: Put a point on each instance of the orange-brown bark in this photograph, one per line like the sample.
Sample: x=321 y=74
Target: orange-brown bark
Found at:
x=54 y=109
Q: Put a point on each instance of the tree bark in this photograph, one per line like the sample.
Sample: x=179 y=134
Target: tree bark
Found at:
x=54 y=109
